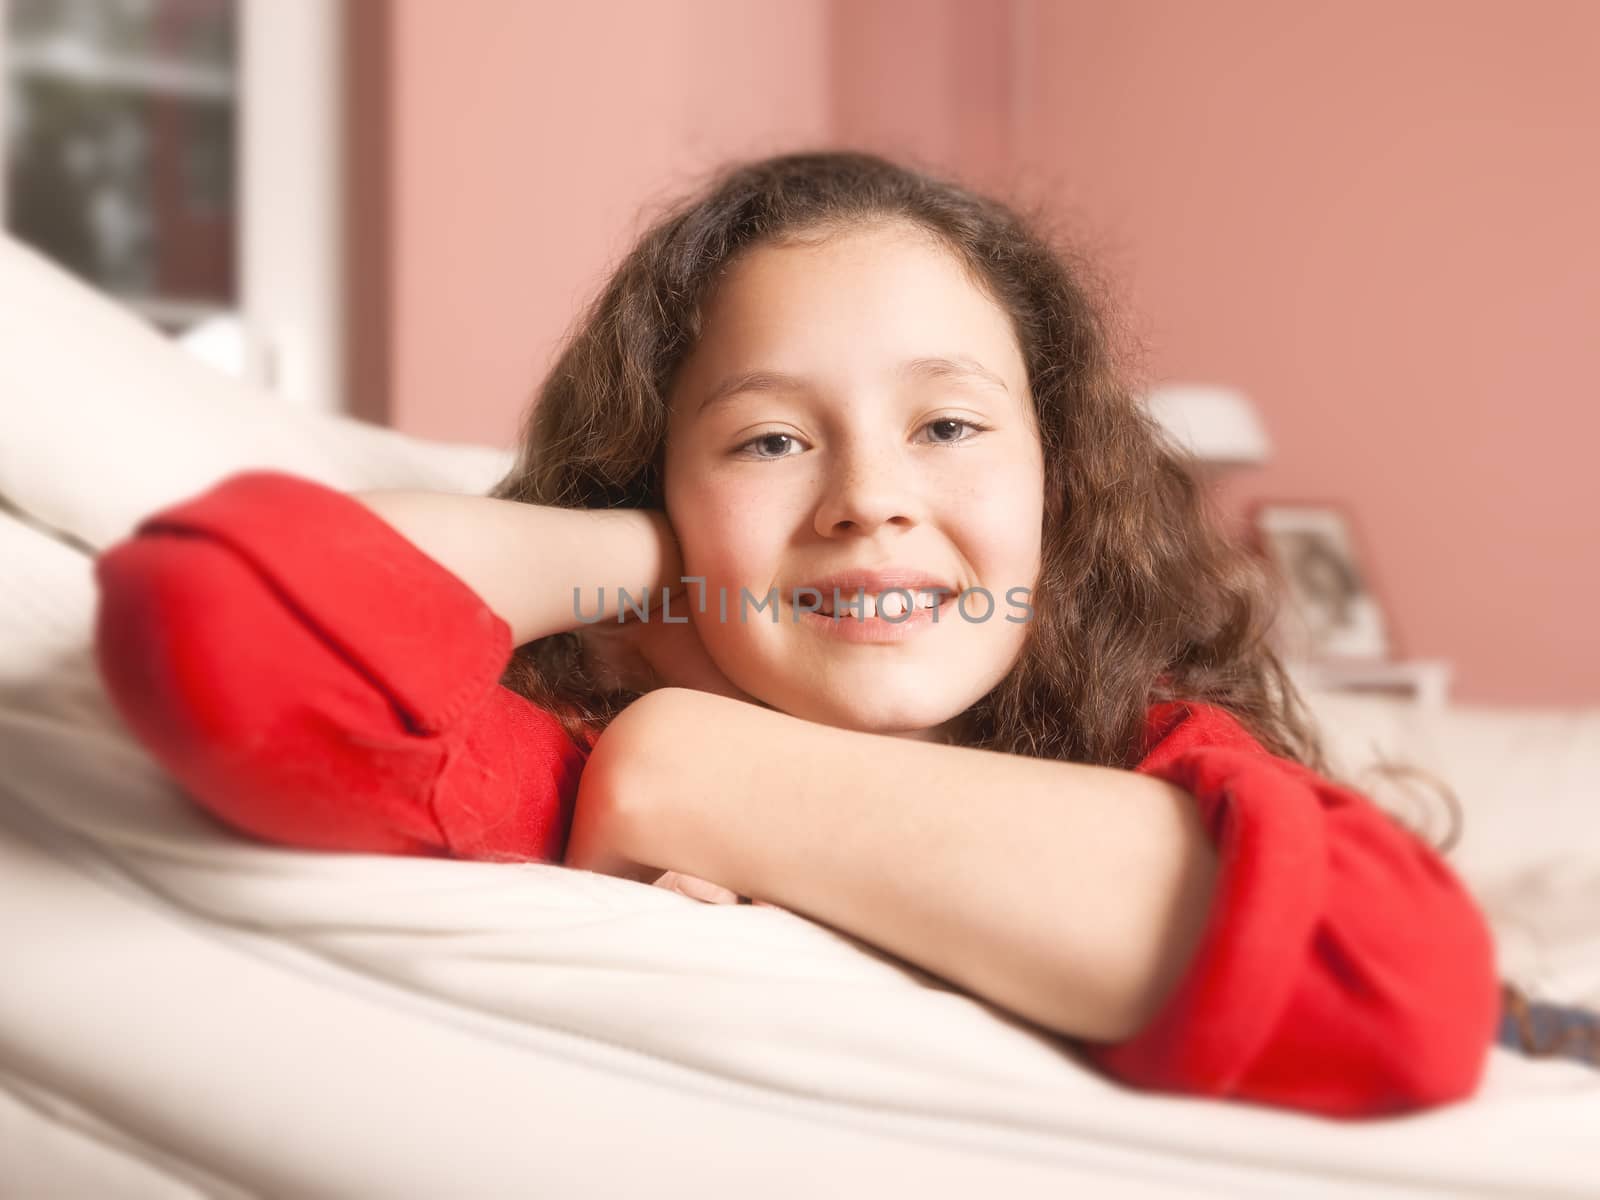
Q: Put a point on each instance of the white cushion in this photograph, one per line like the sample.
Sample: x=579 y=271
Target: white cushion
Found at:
x=103 y=420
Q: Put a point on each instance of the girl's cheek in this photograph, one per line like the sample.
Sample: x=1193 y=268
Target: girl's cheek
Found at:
x=729 y=554
x=1006 y=522
x=744 y=532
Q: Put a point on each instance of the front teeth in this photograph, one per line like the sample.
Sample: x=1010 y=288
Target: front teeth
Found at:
x=891 y=605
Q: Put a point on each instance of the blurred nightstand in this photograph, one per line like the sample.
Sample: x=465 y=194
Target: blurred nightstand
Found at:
x=1424 y=681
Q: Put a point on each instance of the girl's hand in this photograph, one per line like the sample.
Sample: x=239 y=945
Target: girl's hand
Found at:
x=702 y=889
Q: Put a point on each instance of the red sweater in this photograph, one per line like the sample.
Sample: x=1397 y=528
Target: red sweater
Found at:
x=312 y=678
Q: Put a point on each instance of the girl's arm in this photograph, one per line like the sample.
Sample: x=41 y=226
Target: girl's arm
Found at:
x=538 y=567
x=314 y=678
x=1218 y=921
x=1072 y=895
x=525 y=560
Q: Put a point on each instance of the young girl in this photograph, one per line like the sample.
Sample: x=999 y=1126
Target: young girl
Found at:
x=953 y=656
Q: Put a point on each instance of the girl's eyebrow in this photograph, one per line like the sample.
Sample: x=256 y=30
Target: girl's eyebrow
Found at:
x=960 y=368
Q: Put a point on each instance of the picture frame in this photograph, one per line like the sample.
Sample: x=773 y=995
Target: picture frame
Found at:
x=1329 y=611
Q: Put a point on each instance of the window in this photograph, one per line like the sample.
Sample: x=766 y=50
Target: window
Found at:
x=184 y=157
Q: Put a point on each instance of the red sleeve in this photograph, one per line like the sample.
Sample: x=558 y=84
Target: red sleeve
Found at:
x=1344 y=969
x=312 y=678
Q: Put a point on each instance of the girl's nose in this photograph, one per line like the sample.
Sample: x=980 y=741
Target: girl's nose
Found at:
x=866 y=490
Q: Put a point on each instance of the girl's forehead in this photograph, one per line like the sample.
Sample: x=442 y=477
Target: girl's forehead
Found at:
x=860 y=302
x=850 y=269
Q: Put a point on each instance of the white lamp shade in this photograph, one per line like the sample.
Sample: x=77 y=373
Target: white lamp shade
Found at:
x=1216 y=424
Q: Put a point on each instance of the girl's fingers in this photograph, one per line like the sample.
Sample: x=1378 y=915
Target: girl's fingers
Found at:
x=697 y=889
x=706 y=891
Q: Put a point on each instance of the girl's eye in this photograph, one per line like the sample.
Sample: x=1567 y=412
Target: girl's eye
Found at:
x=948 y=428
x=766 y=440
x=946 y=422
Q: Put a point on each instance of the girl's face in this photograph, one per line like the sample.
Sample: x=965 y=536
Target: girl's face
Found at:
x=857 y=404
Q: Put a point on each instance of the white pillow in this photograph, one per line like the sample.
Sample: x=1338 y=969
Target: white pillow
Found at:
x=103 y=420
x=47 y=600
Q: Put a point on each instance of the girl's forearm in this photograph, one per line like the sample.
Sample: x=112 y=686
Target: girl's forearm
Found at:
x=1073 y=895
x=525 y=560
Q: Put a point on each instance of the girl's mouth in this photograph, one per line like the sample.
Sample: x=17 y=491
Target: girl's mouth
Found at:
x=891 y=605
x=878 y=619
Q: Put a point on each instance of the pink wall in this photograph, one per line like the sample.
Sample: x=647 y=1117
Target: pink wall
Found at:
x=1375 y=218
x=523 y=140
x=1379 y=220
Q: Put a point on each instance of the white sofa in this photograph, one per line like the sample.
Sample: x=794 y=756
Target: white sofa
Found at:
x=183 y=1012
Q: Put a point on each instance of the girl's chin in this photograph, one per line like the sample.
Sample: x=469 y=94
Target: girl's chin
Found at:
x=899 y=703
x=918 y=725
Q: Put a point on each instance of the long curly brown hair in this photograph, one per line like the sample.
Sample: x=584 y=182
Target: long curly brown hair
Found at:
x=1141 y=596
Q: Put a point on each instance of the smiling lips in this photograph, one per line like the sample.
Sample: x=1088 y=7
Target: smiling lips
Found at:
x=868 y=606
x=865 y=594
